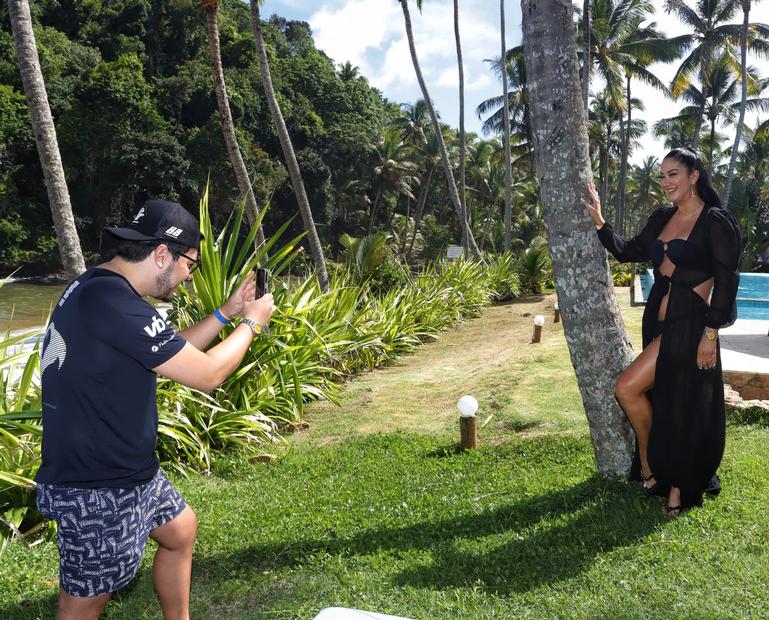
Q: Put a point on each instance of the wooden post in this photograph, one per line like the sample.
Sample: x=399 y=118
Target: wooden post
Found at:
x=539 y=321
x=468 y=438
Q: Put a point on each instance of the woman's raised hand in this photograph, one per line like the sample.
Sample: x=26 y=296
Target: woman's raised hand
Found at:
x=593 y=206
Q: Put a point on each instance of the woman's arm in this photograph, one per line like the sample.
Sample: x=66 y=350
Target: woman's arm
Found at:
x=725 y=247
x=624 y=250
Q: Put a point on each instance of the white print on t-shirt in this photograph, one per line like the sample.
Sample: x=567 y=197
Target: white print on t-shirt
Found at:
x=156 y=327
x=157 y=347
x=138 y=216
x=55 y=350
x=71 y=288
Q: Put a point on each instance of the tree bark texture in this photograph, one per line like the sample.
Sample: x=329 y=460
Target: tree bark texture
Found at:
x=506 y=135
x=743 y=99
x=587 y=25
x=450 y=181
x=45 y=138
x=593 y=326
x=288 y=150
x=228 y=127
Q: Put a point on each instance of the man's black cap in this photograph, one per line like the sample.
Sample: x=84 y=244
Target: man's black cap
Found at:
x=161 y=220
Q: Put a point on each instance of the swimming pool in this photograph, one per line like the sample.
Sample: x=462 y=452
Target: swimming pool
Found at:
x=752 y=296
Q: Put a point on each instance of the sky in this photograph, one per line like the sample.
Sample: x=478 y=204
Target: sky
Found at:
x=371 y=35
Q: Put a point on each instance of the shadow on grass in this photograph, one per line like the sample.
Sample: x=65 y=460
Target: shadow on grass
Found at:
x=514 y=548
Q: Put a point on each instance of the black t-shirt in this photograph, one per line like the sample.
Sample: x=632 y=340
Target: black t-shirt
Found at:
x=100 y=414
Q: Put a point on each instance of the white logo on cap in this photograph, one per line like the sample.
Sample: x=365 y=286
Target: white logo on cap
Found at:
x=138 y=216
x=174 y=232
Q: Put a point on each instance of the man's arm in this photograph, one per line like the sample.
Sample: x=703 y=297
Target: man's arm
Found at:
x=202 y=333
x=207 y=370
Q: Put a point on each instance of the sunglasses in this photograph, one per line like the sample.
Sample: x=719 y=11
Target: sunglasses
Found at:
x=194 y=263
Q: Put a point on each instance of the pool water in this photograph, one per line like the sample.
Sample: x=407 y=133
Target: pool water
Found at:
x=752 y=296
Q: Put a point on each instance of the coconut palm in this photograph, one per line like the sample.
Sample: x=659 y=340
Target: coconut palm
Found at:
x=462 y=144
x=394 y=170
x=582 y=278
x=452 y=185
x=288 y=149
x=45 y=138
x=623 y=48
x=712 y=37
x=506 y=132
x=716 y=101
x=743 y=95
x=210 y=8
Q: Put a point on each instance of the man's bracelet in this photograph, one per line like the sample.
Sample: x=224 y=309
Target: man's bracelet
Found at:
x=710 y=335
x=222 y=319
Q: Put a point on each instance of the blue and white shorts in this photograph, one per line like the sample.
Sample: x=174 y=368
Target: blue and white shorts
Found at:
x=103 y=531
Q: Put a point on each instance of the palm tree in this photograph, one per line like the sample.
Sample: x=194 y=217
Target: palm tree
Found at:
x=603 y=134
x=506 y=131
x=462 y=145
x=716 y=101
x=582 y=278
x=210 y=8
x=394 y=169
x=348 y=72
x=743 y=96
x=45 y=138
x=624 y=49
x=712 y=37
x=454 y=194
x=288 y=150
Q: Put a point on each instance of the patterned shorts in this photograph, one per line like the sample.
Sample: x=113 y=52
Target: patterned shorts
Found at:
x=102 y=532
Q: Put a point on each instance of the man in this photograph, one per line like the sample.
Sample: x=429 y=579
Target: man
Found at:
x=99 y=478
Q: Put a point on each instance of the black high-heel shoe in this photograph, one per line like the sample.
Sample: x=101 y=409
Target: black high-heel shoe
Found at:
x=652 y=490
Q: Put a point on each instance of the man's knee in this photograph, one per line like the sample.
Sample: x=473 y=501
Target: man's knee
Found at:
x=80 y=607
x=179 y=533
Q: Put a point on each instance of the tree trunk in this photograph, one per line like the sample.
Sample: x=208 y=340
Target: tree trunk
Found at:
x=698 y=127
x=228 y=127
x=506 y=134
x=462 y=200
x=420 y=208
x=618 y=198
x=487 y=227
x=593 y=326
x=374 y=209
x=585 y=52
x=45 y=138
x=452 y=185
x=621 y=216
x=288 y=150
x=744 y=80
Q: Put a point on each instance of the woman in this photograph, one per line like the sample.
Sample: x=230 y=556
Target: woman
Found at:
x=673 y=393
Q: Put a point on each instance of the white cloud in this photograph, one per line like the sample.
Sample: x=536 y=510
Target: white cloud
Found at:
x=371 y=35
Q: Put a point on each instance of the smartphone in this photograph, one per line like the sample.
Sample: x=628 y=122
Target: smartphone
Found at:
x=262 y=283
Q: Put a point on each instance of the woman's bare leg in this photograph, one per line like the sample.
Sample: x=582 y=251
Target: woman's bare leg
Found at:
x=631 y=388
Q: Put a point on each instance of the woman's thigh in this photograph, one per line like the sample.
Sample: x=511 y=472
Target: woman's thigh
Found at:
x=639 y=376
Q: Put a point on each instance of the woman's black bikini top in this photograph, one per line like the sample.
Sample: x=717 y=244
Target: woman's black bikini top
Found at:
x=680 y=252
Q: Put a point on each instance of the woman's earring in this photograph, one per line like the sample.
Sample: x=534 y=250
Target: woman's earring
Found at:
x=692 y=190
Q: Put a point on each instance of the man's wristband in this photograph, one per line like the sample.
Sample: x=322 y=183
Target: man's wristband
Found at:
x=222 y=319
x=711 y=335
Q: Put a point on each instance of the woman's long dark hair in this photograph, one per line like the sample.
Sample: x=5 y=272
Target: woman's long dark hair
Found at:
x=705 y=189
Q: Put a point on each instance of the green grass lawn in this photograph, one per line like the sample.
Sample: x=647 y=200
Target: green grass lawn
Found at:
x=374 y=508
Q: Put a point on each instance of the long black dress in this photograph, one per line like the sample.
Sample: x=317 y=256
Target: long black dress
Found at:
x=688 y=430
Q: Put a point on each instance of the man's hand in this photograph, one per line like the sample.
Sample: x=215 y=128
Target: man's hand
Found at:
x=260 y=310
x=233 y=307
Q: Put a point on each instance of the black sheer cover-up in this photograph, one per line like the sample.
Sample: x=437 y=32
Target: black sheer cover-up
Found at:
x=686 y=442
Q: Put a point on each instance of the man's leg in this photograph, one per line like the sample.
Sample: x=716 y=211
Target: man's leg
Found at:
x=172 y=569
x=80 y=607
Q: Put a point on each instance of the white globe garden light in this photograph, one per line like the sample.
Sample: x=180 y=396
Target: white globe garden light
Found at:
x=539 y=320
x=467 y=406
